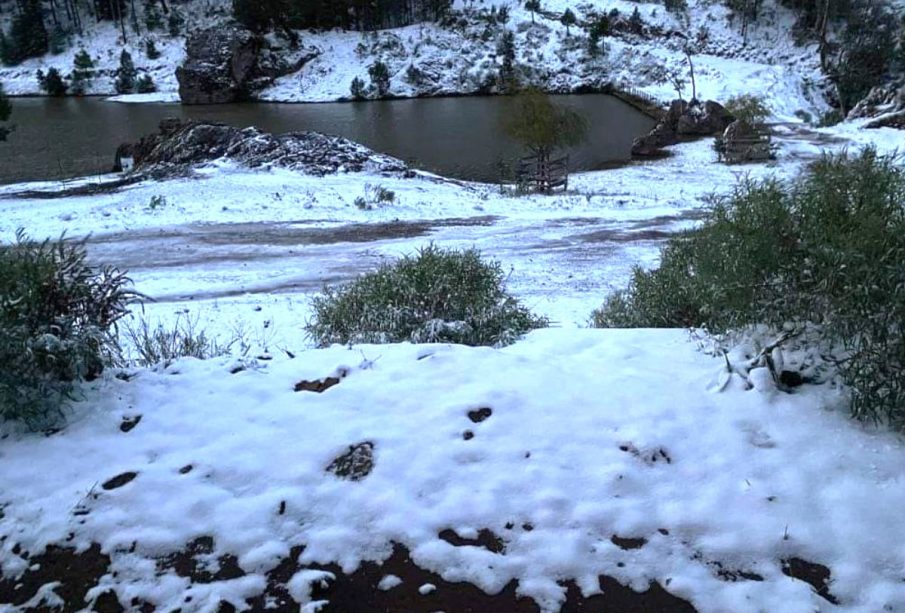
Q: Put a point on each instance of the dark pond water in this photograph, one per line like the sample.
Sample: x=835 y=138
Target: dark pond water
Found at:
x=455 y=137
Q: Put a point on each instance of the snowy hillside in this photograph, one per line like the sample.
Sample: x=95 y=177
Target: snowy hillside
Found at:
x=432 y=60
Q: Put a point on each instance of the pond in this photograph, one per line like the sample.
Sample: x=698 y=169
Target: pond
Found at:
x=454 y=137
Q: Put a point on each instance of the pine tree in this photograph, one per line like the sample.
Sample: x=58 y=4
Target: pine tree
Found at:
x=82 y=72
x=6 y=110
x=52 y=82
x=27 y=34
x=506 y=50
x=568 y=19
x=174 y=23
x=153 y=16
x=533 y=6
x=380 y=78
x=151 y=50
x=357 y=89
x=125 y=74
x=145 y=85
x=635 y=22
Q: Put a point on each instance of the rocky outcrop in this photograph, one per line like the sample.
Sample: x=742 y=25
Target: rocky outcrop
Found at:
x=683 y=119
x=890 y=120
x=881 y=100
x=181 y=144
x=218 y=64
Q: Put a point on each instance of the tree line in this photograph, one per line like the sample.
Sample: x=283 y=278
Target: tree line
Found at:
x=261 y=15
x=42 y=26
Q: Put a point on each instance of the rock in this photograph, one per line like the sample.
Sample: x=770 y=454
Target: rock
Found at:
x=880 y=100
x=218 y=63
x=683 y=119
x=355 y=464
x=707 y=119
x=891 y=120
x=652 y=144
x=182 y=144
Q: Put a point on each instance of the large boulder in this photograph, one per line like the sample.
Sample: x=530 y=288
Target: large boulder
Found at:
x=688 y=119
x=707 y=119
x=218 y=63
x=182 y=144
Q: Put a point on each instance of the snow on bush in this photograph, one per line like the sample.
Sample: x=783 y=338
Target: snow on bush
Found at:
x=827 y=248
x=437 y=296
x=56 y=316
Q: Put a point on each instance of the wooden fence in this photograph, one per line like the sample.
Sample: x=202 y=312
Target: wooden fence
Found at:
x=750 y=148
x=541 y=174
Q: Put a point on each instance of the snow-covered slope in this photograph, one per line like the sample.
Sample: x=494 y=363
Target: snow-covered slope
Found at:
x=428 y=59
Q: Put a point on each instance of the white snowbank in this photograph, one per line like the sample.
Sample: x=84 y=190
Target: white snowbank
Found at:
x=745 y=479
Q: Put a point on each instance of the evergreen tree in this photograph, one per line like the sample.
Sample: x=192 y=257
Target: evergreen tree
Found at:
x=125 y=74
x=145 y=84
x=380 y=78
x=568 y=19
x=153 y=16
x=6 y=110
x=52 y=82
x=174 y=23
x=506 y=50
x=599 y=29
x=635 y=22
x=59 y=40
x=533 y=6
x=151 y=50
x=82 y=72
x=27 y=34
x=357 y=89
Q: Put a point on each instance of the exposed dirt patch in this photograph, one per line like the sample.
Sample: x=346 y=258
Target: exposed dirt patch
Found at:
x=119 y=480
x=129 y=422
x=627 y=544
x=486 y=539
x=197 y=563
x=318 y=386
x=355 y=464
x=816 y=575
x=468 y=435
x=356 y=592
x=76 y=572
x=479 y=415
x=648 y=456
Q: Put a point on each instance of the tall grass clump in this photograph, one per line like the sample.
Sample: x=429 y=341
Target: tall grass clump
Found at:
x=149 y=345
x=827 y=248
x=435 y=296
x=57 y=316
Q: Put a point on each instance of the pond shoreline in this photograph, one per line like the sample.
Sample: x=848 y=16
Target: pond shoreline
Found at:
x=452 y=136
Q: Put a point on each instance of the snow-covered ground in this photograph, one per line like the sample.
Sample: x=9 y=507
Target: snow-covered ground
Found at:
x=244 y=248
x=591 y=437
x=604 y=452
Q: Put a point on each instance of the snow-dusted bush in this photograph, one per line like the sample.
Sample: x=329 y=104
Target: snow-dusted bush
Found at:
x=827 y=248
x=750 y=108
x=150 y=346
x=436 y=296
x=56 y=316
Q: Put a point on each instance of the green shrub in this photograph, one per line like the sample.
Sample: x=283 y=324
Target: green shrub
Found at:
x=827 y=248
x=749 y=108
x=437 y=295
x=56 y=317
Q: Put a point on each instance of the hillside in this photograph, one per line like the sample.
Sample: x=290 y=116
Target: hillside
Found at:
x=430 y=59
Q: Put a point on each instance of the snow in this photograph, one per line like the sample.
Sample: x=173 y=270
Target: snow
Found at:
x=768 y=63
x=755 y=475
x=146 y=98
x=565 y=403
